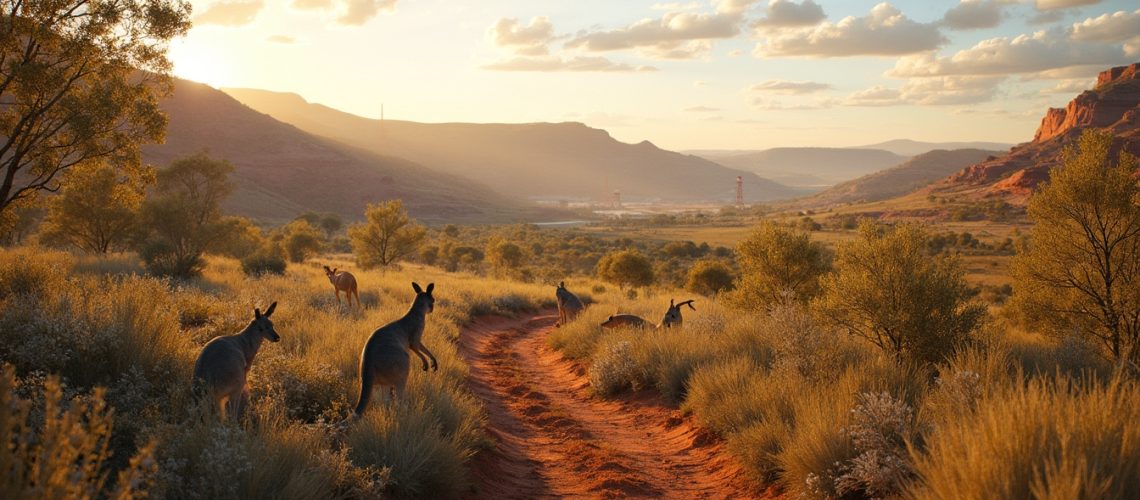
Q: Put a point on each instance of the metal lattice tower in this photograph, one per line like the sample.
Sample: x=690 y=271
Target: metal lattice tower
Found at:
x=616 y=200
x=739 y=191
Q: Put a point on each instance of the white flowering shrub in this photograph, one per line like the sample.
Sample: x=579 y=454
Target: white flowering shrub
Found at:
x=880 y=426
x=614 y=369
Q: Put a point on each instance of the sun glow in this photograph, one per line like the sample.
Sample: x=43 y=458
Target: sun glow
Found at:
x=200 y=66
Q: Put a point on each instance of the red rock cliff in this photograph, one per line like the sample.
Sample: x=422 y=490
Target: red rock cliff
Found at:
x=1117 y=91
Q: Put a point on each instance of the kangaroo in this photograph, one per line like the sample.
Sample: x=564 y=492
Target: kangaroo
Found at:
x=224 y=363
x=385 y=360
x=625 y=320
x=569 y=305
x=673 y=315
x=345 y=282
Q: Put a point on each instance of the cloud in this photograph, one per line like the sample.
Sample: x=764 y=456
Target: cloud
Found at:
x=226 y=13
x=973 y=15
x=348 y=12
x=1046 y=17
x=679 y=34
x=558 y=63
x=1063 y=4
x=884 y=31
x=1070 y=87
x=282 y=39
x=789 y=87
x=785 y=13
x=773 y=105
x=700 y=83
x=524 y=40
x=1115 y=27
x=702 y=109
x=358 y=12
x=1041 y=51
x=937 y=91
x=676 y=6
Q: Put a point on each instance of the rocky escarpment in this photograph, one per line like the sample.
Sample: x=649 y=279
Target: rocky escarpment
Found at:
x=1112 y=105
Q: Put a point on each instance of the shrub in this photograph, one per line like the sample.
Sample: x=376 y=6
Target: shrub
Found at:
x=265 y=261
x=880 y=429
x=709 y=277
x=613 y=370
x=776 y=262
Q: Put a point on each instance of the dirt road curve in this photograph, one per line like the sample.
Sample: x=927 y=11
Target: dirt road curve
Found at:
x=554 y=439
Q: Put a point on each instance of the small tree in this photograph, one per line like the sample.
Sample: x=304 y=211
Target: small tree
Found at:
x=240 y=238
x=775 y=261
x=1080 y=271
x=184 y=214
x=80 y=82
x=889 y=291
x=709 y=277
x=503 y=254
x=626 y=268
x=99 y=208
x=330 y=224
x=301 y=240
x=387 y=236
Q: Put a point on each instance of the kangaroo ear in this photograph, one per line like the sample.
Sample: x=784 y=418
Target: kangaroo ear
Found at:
x=416 y=287
x=271 y=308
x=431 y=286
x=334 y=270
x=671 y=302
x=256 y=313
x=326 y=268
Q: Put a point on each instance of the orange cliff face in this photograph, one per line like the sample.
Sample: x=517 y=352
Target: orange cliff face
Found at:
x=1116 y=93
x=1113 y=105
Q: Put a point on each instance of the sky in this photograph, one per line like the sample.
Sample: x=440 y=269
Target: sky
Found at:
x=696 y=74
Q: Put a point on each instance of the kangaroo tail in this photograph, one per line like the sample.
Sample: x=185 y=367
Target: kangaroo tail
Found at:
x=365 y=397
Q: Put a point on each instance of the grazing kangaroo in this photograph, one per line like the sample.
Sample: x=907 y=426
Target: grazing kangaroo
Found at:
x=625 y=320
x=385 y=360
x=224 y=363
x=345 y=282
x=673 y=315
x=569 y=305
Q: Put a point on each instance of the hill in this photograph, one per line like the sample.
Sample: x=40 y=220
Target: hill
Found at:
x=535 y=160
x=808 y=167
x=907 y=147
x=1112 y=105
x=911 y=175
x=281 y=171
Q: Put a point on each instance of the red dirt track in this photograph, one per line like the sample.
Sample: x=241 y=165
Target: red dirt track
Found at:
x=554 y=439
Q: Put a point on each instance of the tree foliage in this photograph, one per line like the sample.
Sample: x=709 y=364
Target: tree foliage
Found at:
x=301 y=240
x=775 y=261
x=889 y=291
x=626 y=268
x=709 y=277
x=387 y=235
x=99 y=207
x=1080 y=271
x=80 y=81
x=184 y=215
x=503 y=254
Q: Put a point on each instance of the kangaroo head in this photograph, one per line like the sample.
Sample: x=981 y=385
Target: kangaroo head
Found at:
x=263 y=326
x=673 y=315
x=424 y=302
x=562 y=285
x=329 y=272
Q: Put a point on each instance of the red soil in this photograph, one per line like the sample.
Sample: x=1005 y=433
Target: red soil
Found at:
x=553 y=438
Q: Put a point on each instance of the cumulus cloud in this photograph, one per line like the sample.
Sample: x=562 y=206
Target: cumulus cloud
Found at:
x=1041 y=51
x=559 y=63
x=348 y=12
x=884 y=31
x=282 y=39
x=702 y=109
x=676 y=6
x=1063 y=4
x=530 y=39
x=1115 y=27
x=1070 y=87
x=678 y=34
x=973 y=15
x=789 y=87
x=786 y=13
x=227 y=13
x=937 y=91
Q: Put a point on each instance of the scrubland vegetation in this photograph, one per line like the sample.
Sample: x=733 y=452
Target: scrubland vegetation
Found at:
x=123 y=344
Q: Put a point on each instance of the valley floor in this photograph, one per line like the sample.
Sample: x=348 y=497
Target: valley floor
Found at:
x=552 y=438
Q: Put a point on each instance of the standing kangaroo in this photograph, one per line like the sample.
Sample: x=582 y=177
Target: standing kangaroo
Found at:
x=569 y=305
x=673 y=315
x=385 y=360
x=345 y=282
x=224 y=363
